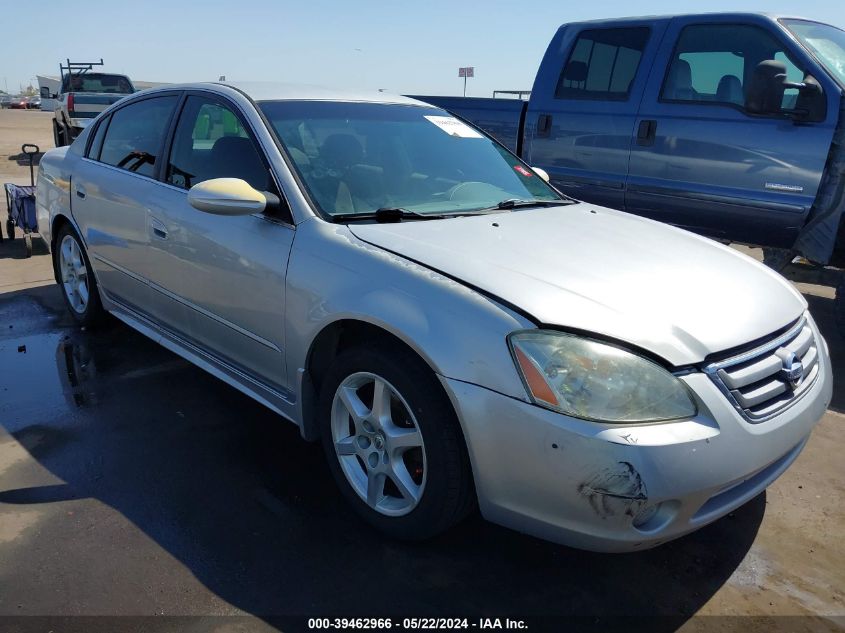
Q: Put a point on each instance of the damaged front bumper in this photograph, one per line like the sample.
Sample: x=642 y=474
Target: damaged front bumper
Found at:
x=612 y=488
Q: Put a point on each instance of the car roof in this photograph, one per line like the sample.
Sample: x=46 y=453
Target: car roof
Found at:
x=278 y=91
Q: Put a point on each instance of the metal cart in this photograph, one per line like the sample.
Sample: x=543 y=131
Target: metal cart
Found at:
x=20 y=202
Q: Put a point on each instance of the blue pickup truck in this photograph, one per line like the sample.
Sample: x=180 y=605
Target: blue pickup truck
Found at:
x=730 y=125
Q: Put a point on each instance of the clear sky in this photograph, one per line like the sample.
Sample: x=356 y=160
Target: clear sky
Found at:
x=403 y=47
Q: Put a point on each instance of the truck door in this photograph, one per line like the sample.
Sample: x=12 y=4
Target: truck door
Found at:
x=701 y=160
x=584 y=104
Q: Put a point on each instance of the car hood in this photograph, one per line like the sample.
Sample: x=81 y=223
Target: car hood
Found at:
x=673 y=293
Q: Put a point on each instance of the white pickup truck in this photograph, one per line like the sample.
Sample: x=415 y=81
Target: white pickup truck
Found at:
x=82 y=97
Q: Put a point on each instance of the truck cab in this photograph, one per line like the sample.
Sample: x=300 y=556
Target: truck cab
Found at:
x=719 y=123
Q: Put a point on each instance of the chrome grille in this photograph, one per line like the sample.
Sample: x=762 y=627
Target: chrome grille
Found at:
x=764 y=381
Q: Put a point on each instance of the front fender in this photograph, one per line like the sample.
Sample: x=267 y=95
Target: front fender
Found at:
x=333 y=276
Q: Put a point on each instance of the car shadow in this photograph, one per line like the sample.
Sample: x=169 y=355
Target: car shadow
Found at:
x=233 y=493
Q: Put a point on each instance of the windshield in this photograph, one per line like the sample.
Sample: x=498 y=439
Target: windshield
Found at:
x=97 y=82
x=359 y=157
x=826 y=42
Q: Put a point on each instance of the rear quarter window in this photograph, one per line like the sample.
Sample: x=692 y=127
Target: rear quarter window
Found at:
x=603 y=64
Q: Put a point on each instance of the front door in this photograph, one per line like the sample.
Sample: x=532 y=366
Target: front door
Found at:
x=227 y=274
x=709 y=164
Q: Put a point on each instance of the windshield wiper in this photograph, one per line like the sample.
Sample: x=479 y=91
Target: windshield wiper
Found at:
x=397 y=214
x=386 y=214
x=514 y=203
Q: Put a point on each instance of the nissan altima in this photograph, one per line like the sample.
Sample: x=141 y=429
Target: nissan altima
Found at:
x=455 y=331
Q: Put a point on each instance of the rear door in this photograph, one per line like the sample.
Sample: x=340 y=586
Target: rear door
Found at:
x=708 y=164
x=584 y=104
x=109 y=194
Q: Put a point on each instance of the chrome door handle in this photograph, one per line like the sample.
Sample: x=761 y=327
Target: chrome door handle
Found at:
x=159 y=230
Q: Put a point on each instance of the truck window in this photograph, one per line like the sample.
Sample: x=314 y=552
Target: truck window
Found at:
x=713 y=63
x=97 y=82
x=603 y=64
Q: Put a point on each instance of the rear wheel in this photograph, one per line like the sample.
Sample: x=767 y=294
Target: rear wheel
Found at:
x=839 y=305
x=79 y=286
x=393 y=443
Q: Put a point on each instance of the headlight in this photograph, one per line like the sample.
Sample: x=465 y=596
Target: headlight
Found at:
x=587 y=379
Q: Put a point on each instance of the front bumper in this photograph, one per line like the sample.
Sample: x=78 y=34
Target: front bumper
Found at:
x=594 y=486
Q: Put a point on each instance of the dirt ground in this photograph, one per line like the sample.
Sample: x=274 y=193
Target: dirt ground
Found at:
x=165 y=491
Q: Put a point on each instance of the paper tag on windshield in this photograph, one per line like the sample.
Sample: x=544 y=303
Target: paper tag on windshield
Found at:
x=454 y=127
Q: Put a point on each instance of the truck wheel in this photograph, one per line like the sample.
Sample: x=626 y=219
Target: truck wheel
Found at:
x=57 y=138
x=393 y=443
x=839 y=305
x=67 y=134
x=76 y=278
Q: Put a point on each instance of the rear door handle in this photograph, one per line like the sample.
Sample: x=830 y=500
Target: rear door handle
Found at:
x=159 y=230
x=80 y=192
x=646 y=132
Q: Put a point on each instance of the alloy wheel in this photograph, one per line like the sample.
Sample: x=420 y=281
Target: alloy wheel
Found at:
x=74 y=274
x=378 y=443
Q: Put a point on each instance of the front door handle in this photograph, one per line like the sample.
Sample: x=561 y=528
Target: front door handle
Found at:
x=159 y=230
x=646 y=132
x=80 y=191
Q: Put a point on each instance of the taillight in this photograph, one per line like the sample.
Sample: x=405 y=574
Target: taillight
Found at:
x=70 y=102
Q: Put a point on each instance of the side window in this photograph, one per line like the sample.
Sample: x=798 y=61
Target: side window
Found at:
x=97 y=142
x=134 y=136
x=713 y=63
x=603 y=64
x=211 y=142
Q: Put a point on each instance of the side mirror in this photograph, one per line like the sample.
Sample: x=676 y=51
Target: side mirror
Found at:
x=44 y=92
x=765 y=93
x=542 y=173
x=227 y=196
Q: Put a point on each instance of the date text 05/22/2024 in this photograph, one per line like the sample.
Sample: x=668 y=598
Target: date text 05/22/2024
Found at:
x=416 y=624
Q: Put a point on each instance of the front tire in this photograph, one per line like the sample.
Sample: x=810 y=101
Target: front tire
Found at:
x=393 y=443
x=76 y=278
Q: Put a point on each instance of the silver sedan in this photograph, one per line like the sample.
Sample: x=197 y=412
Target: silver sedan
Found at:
x=453 y=330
